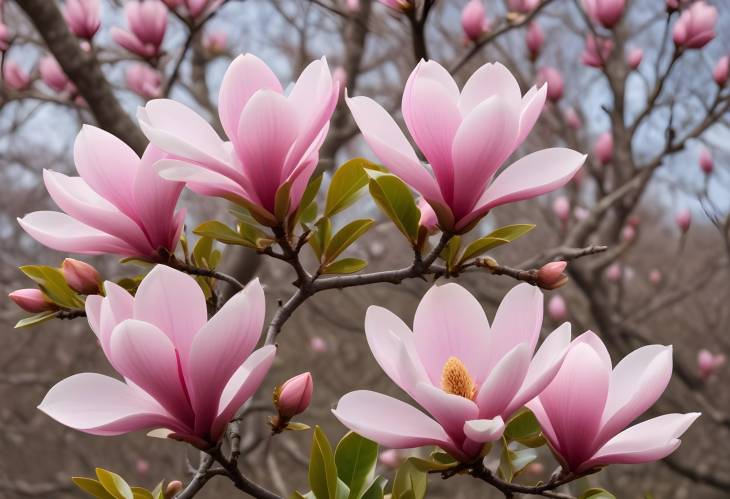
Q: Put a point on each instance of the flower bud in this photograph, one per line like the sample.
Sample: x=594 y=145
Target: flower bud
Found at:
x=399 y=5
x=634 y=57
x=318 y=345
x=52 y=74
x=293 y=396
x=606 y=12
x=573 y=120
x=474 y=20
x=695 y=28
x=561 y=208
x=708 y=363
x=614 y=272
x=655 y=277
x=603 y=149
x=81 y=277
x=551 y=276
x=428 y=217
x=557 y=309
x=706 y=162
x=720 y=73
x=535 y=38
x=353 y=5
x=83 y=17
x=339 y=75
x=554 y=81
x=173 y=488
x=144 y=80
x=390 y=458
x=596 y=51
x=31 y=300
x=143 y=466
x=628 y=234
x=522 y=6
x=683 y=219
x=4 y=37
x=214 y=42
x=634 y=221
x=14 y=77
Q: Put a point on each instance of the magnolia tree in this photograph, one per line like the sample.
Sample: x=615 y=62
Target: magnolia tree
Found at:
x=281 y=174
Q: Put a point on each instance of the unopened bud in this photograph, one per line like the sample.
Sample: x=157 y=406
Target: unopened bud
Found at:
x=708 y=363
x=551 y=276
x=293 y=397
x=557 y=310
x=173 y=488
x=428 y=220
x=80 y=276
x=31 y=300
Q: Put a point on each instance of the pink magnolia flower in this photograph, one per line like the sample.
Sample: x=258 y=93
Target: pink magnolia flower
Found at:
x=551 y=276
x=295 y=395
x=655 y=276
x=583 y=413
x=147 y=23
x=603 y=149
x=634 y=57
x=580 y=213
x=606 y=12
x=466 y=137
x=708 y=363
x=53 y=76
x=80 y=276
x=561 y=208
x=317 y=344
x=142 y=466
x=14 y=76
x=353 y=5
x=554 y=81
x=118 y=205
x=534 y=39
x=596 y=51
x=469 y=376
x=720 y=72
x=428 y=219
x=614 y=272
x=200 y=8
x=522 y=6
x=707 y=164
x=572 y=118
x=31 y=300
x=83 y=17
x=182 y=372
x=557 y=309
x=215 y=42
x=274 y=138
x=695 y=28
x=628 y=234
x=474 y=20
x=634 y=221
x=683 y=219
x=144 y=80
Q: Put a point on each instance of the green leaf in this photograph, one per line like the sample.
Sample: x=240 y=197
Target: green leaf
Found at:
x=481 y=246
x=434 y=464
x=295 y=426
x=282 y=201
x=356 y=457
x=514 y=459
x=347 y=185
x=36 y=319
x=114 y=484
x=345 y=237
x=322 y=467
x=142 y=493
x=410 y=482
x=307 y=210
x=53 y=284
x=525 y=429
x=202 y=250
x=596 y=493
x=450 y=253
x=376 y=489
x=511 y=232
x=395 y=199
x=92 y=487
x=220 y=232
x=255 y=237
x=321 y=237
x=345 y=266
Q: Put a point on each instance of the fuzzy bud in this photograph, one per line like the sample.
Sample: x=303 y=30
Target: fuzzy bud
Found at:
x=293 y=397
x=80 y=276
x=31 y=300
x=551 y=276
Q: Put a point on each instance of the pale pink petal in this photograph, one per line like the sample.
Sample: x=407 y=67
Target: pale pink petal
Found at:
x=543 y=419
x=92 y=305
x=532 y=104
x=591 y=339
x=117 y=306
x=451 y=411
x=201 y=180
x=484 y=430
x=503 y=382
x=489 y=80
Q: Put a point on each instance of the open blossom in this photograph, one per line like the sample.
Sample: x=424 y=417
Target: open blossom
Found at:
x=534 y=39
x=634 y=57
x=118 y=205
x=466 y=137
x=522 y=6
x=274 y=138
x=596 y=51
x=603 y=149
x=606 y=12
x=474 y=20
x=557 y=309
x=583 y=413
x=183 y=373
x=83 y=17
x=143 y=80
x=147 y=25
x=708 y=363
x=14 y=77
x=554 y=81
x=707 y=164
x=721 y=69
x=683 y=219
x=695 y=28
x=53 y=76
x=469 y=376
x=31 y=300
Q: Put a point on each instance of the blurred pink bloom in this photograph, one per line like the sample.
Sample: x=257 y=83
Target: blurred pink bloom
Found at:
x=583 y=413
x=534 y=39
x=551 y=276
x=603 y=149
x=53 y=76
x=580 y=213
x=708 y=363
x=4 y=36
x=596 y=51
x=80 y=276
x=339 y=75
x=606 y=12
x=535 y=469
x=561 y=208
x=683 y=219
x=399 y=5
x=14 y=76
x=572 y=119
x=655 y=277
x=428 y=219
x=634 y=57
x=295 y=395
x=144 y=80
x=183 y=373
x=83 y=17
x=118 y=205
x=720 y=72
x=215 y=42
x=317 y=344
x=469 y=376
x=707 y=164
x=353 y=5
x=522 y=6
x=474 y=20
x=142 y=466
x=466 y=137
x=554 y=81
x=200 y=8
x=147 y=23
x=628 y=234
x=557 y=309
x=634 y=221
x=390 y=458
x=274 y=138
x=31 y=300
x=614 y=272
x=695 y=28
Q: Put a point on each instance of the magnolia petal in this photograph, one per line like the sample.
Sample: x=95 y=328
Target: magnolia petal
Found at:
x=484 y=430
x=449 y=410
x=503 y=382
x=489 y=80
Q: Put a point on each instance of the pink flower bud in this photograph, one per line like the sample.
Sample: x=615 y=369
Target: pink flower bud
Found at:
x=4 y=37
x=596 y=51
x=554 y=81
x=720 y=73
x=633 y=221
x=580 y=213
x=353 y=5
x=603 y=149
x=534 y=39
x=550 y=275
x=52 y=74
x=634 y=57
x=695 y=28
x=390 y=458
x=628 y=234
x=606 y=12
x=683 y=219
x=143 y=81
x=81 y=277
x=708 y=363
x=399 y=5
x=339 y=75
x=14 y=77
x=474 y=20
x=672 y=5
x=147 y=25
x=199 y=8
x=557 y=309
x=294 y=395
x=572 y=118
x=83 y=17
x=215 y=42
x=614 y=272
x=31 y=300
x=173 y=488
x=707 y=164
x=428 y=216
x=655 y=277
x=522 y=6
x=561 y=208
x=143 y=466
x=318 y=345
x=535 y=469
